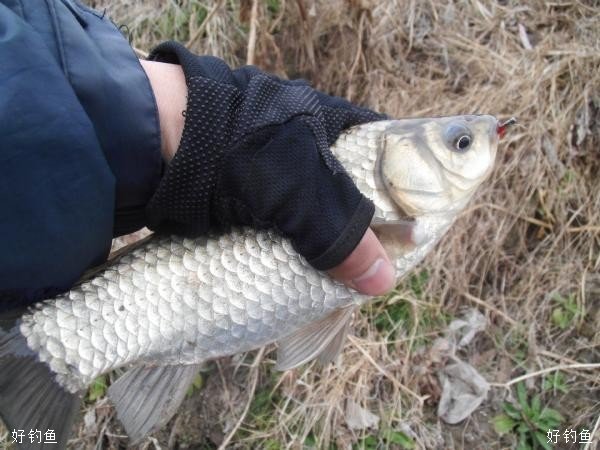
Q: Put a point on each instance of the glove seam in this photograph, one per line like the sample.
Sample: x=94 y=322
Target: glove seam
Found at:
x=236 y=141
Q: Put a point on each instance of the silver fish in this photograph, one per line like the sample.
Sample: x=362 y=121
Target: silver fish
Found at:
x=173 y=303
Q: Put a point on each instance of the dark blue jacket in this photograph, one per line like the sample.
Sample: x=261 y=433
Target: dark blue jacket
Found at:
x=79 y=144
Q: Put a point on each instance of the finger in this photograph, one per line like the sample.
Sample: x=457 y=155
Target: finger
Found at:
x=367 y=269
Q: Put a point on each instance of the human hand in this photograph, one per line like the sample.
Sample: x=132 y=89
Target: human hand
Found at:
x=364 y=265
x=367 y=269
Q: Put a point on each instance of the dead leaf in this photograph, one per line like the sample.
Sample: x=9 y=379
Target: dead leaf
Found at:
x=463 y=390
x=464 y=330
x=359 y=418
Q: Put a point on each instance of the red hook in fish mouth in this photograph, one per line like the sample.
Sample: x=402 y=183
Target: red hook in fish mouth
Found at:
x=504 y=125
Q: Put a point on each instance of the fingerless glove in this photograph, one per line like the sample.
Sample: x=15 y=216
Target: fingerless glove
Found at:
x=255 y=151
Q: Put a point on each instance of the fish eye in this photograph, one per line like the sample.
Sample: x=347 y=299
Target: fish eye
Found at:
x=463 y=142
x=458 y=137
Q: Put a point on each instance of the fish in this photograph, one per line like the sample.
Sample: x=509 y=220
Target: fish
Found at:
x=166 y=307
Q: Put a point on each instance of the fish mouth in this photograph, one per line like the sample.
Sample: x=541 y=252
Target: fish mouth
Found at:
x=502 y=127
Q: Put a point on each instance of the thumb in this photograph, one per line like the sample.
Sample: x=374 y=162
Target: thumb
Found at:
x=367 y=269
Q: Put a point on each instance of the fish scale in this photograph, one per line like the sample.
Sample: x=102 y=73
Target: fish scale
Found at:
x=176 y=301
x=231 y=283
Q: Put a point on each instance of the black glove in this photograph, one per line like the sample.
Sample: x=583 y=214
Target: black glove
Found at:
x=255 y=151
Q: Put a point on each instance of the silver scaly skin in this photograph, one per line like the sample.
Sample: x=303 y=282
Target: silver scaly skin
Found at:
x=184 y=301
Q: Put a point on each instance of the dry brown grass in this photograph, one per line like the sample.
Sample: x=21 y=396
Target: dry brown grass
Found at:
x=532 y=233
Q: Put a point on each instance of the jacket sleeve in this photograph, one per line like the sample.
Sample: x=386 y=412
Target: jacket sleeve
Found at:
x=79 y=145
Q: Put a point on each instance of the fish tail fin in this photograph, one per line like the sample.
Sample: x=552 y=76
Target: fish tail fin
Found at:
x=9 y=318
x=30 y=397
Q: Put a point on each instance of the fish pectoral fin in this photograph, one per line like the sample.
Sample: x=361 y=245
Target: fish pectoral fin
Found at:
x=31 y=398
x=334 y=348
x=323 y=338
x=401 y=231
x=147 y=397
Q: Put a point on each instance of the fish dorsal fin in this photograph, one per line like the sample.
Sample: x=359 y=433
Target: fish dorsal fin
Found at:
x=323 y=338
x=147 y=397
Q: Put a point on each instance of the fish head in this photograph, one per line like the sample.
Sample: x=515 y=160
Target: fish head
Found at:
x=434 y=165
